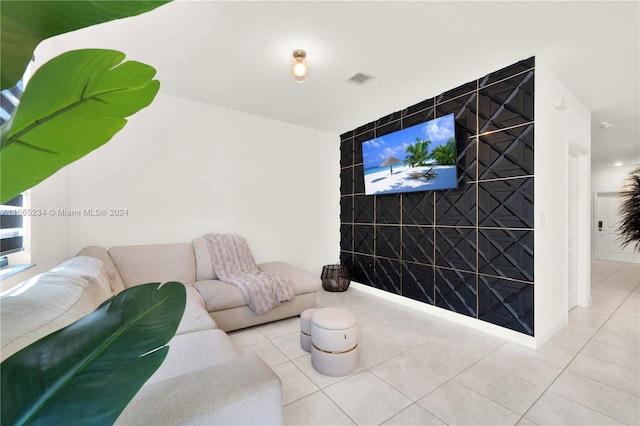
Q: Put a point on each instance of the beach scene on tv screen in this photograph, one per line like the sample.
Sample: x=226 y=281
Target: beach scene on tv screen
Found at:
x=418 y=158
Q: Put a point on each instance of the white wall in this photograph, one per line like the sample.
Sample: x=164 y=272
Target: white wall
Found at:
x=610 y=179
x=556 y=130
x=182 y=169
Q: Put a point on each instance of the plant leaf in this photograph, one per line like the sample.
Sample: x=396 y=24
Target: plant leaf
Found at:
x=109 y=353
x=24 y=24
x=72 y=105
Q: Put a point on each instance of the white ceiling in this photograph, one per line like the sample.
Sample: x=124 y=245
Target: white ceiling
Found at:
x=236 y=55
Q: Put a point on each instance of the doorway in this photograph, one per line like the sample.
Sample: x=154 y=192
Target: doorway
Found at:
x=607 y=219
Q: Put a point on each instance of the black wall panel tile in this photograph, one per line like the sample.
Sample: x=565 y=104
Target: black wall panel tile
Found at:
x=346 y=209
x=346 y=153
x=357 y=152
x=464 y=109
x=506 y=303
x=358 y=179
x=506 y=154
x=507 y=72
x=418 y=282
x=417 y=208
x=388 y=275
x=464 y=89
x=363 y=239
x=418 y=116
x=363 y=269
x=388 y=209
x=388 y=241
x=418 y=244
x=456 y=291
x=506 y=203
x=346 y=258
x=456 y=208
x=506 y=253
x=346 y=236
x=346 y=180
x=363 y=209
x=469 y=249
x=456 y=248
x=506 y=103
x=385 y=129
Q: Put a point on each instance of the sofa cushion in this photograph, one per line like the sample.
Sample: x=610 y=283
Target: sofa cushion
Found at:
x=155 y=263
x=204 y=269
x=50 y=301
x=115 y=281
x=196 y=317
x=195 y=351
x=303 y=281
x=219 y=295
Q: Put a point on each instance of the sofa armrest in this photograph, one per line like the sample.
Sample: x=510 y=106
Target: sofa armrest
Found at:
x=303 y=281
x=240 y=391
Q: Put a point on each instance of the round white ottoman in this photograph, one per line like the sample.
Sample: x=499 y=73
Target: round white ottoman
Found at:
x=334 y=341
x=305 y=329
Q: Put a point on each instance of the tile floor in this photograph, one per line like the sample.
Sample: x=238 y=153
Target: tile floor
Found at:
x=436 y=372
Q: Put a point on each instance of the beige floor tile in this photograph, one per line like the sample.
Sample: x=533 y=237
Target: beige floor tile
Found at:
x=371 y=322
x=507 y=390
x=281 y=328
x=606 y=400
x=412 y=378
x=606 y=372
x=401 y=338
x=523 y=366
x=367 y=399
x=295 y=384
x=320 y=380
x=553 y=409
x=290 y=345
x=623 y=324
x=456 y=404
x=573 y=337
x=612 y=354
x=618 y=340
x=372 y=351
x=269 y=353
x=587 y=316
x=548 y=353
x=414 y=415
x=246 y=337
x=442 y=358
x=468 y=342
x=527 y=422
x=315 y=409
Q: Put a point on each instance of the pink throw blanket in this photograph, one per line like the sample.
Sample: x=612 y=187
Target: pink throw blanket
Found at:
x=233 y=263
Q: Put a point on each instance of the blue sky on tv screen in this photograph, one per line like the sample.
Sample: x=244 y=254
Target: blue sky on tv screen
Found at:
x=439 y=131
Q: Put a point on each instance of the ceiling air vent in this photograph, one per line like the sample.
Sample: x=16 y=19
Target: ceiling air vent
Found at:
x=360 y=79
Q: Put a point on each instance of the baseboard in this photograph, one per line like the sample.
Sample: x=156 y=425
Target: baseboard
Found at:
x=476 y=324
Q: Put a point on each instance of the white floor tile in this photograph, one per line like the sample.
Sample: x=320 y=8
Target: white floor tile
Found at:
x=553 y=409
x=523 y=366
x=412 y=378
x=621 y=357
x=281 y=328
x=315 y=409
x=414 y=415
x=606 y=400
x=367 y=399
x=372 y=351
x=269 y=353
x=505 y=389
x=290 y=345
x=456 y=404
x=606 y=372
x=548 y=353
x=295 y=384
x=442 y=358
x=246 y=337
x=320 y=380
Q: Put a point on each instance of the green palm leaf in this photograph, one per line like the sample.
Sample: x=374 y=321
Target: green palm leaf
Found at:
x=72 y=105
x=110 y=352
x=24 y=24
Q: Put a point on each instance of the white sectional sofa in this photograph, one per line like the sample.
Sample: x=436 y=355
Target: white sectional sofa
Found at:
x=204 y=379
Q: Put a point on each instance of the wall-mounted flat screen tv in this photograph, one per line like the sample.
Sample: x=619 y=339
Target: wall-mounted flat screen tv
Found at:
x=418 y=158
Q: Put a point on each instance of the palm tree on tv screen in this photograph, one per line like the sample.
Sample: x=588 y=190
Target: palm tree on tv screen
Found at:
x=445 y=155
x=418 y=153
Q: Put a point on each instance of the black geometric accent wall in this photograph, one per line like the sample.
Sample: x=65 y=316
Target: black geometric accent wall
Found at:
x=468 y=250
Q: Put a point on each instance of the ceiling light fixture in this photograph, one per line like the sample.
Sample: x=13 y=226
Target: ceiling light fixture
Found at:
x=618 y=163
x=299 y=66
x=606 y=124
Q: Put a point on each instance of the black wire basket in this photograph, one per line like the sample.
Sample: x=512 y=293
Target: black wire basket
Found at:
x=335 y=278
